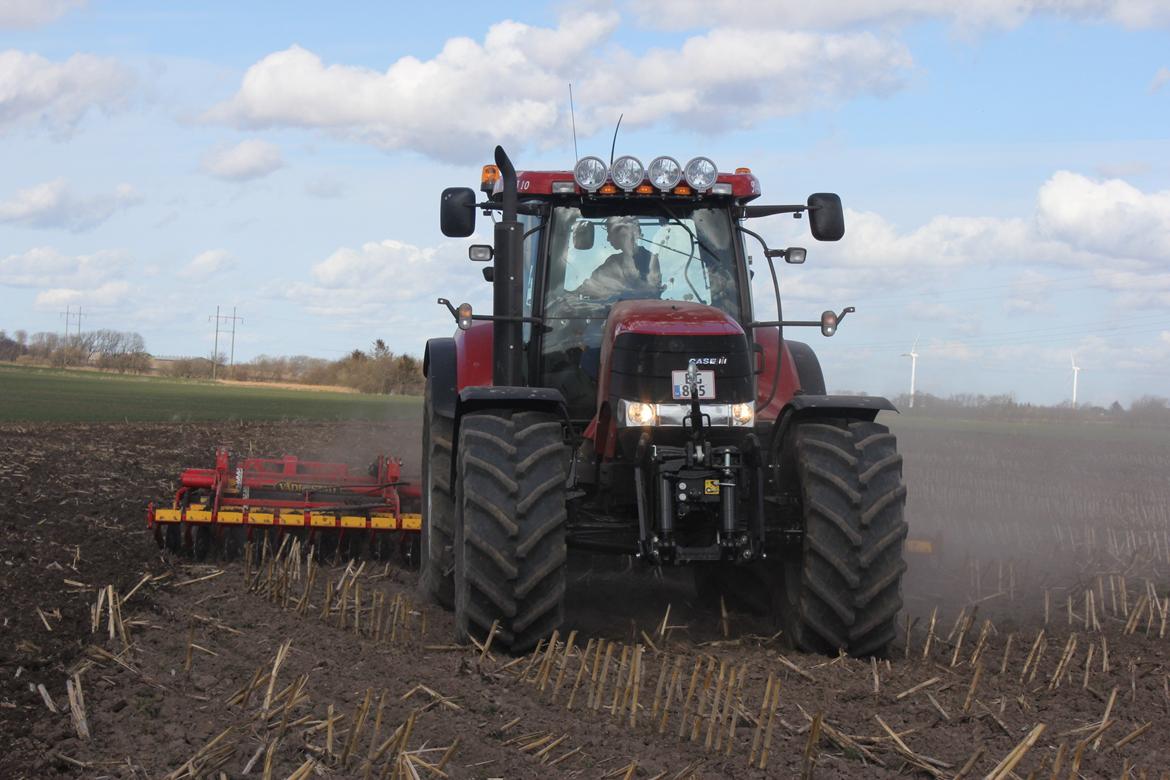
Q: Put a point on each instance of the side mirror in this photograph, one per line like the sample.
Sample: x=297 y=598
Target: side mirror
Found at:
x=795 y=255
x=583 y=235
x=457 y=212
x=825 y=217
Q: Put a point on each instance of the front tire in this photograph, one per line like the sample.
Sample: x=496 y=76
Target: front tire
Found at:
x=437 y=561
x=510 y=553
x=844 y=592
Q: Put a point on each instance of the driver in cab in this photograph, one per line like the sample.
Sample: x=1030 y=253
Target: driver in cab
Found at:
x=631 y=272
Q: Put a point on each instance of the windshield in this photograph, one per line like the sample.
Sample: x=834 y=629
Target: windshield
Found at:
x=599 y=255
x=670 y=253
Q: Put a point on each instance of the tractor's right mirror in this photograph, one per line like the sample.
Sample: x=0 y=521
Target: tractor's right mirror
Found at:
x=825 y=217
x=457 y=212
x=583 y=235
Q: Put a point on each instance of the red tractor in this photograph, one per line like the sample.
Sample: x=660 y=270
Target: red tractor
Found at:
x=623 y=398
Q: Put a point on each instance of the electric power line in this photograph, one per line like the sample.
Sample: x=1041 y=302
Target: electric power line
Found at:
x=217 y=317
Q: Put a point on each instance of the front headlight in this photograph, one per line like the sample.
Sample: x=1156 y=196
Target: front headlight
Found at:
x=640 y=414
x=743 y=414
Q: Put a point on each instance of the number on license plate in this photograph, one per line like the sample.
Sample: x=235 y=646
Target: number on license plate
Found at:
x=680 y=390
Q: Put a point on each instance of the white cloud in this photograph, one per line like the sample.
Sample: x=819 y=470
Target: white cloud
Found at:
x=56 y=95
x=104 y=295
x=208 y=263
x=32 y=13
x=249 y=159
x=511 y=88
x=1161 y=79
x=47 y=267
x=1115 y=235
x=53 y=205
x=392 y=286
x=797 y=14
x=1109 y=217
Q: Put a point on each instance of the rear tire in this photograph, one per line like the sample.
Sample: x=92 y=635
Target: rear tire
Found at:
x=436 y=557
x=844 y=592
x=510 y=553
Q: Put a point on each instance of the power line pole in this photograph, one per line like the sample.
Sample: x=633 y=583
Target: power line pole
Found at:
x=232 y=359
x=215 y=349
x=67 y=314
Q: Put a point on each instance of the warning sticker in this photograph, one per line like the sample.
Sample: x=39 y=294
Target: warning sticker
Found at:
x=711 y=487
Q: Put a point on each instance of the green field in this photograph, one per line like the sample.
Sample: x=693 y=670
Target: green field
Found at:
x=50 y=395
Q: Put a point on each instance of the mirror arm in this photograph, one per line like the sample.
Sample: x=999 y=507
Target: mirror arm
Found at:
x=529 y=209
x=450 y=307
x=752 y=212
x=800 y=323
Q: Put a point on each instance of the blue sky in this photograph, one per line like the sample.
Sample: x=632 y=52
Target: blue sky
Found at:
x=1006 y=168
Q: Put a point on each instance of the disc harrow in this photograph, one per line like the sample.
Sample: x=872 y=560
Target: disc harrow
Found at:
x=334 y=510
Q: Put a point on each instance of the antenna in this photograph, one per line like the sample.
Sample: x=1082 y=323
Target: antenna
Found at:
x=913 y=355
x=1076 y=373
x=613 y=146
x=573 y=117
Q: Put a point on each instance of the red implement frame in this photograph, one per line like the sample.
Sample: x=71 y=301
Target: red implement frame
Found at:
x=285 y=487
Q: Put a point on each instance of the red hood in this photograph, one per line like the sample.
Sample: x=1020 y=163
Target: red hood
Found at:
x=668 y=318
x=660 y=318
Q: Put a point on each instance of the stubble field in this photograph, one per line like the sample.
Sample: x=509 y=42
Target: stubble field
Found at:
x=1036 y=645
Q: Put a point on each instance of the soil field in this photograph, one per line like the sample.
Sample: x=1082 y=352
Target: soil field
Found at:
x=1035 y=646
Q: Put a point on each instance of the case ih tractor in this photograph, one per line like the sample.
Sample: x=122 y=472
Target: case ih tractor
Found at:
x=623 y=398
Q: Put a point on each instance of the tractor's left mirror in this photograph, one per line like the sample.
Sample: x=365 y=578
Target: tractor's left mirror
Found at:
x=457 y=212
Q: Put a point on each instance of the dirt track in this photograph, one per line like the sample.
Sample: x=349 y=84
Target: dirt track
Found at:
x=1032 y=512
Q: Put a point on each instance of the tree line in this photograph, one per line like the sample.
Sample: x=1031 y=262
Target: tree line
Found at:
x=377 y=370
x=110 y=350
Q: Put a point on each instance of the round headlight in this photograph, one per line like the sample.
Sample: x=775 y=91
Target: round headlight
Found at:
x=627 y=172
x=590 y=173
x=701 y=174
x=665 y=173
x=743 y=414
x=640 y=414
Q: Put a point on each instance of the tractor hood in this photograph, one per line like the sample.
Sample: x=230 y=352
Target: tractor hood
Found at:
x=644 y=342
x=668 y=318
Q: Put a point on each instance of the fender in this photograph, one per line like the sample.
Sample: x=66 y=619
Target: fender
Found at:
x=439 y=365
x=853 y=407
x=808 y=368
x=542 y=399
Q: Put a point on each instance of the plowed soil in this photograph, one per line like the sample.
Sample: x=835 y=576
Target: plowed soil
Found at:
x=1041 y=627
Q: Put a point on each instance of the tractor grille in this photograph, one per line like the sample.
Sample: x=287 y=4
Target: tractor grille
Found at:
x=641 y=365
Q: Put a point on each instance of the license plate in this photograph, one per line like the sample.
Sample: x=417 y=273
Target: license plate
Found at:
x=682 y=391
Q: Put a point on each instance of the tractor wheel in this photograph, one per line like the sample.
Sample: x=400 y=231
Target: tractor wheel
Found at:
x=844 y=591
x=437 y=562
x=510 y=554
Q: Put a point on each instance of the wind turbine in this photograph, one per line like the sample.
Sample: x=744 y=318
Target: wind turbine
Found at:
x=913 y=355
x=1076 y=372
